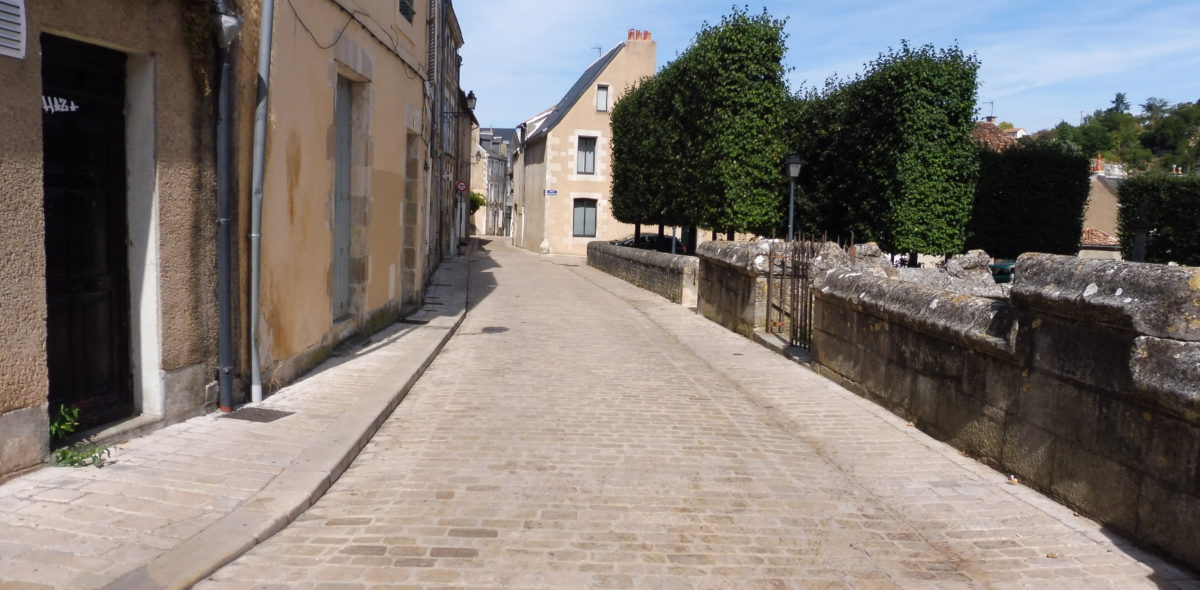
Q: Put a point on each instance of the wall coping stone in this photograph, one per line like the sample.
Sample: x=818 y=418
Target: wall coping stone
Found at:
x=678 y=263
x=980 y=323
x=749 y=258
x=1149 y=299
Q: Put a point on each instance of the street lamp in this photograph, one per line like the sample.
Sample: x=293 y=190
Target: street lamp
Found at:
x=794 y=165
x=471 y=100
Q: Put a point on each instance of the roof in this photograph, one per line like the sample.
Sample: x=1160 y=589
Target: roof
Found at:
x=1093 y=238
x=992 y=137
x=505 y=134
x=558 y=111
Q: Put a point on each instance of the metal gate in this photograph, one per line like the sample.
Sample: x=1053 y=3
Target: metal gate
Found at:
x=789 y=291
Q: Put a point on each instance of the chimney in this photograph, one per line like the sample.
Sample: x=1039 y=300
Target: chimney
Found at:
x=646 y=35
x=630 y=34
x=990 y=119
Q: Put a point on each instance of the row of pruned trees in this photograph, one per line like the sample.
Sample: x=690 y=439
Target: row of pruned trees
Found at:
x=890 y=153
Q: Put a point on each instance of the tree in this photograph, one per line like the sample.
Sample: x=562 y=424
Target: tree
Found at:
x=1154 y=109
x=710 y=158
x=1119 y=104
x=891 y=153
x=1005 y=125
x=1030 y=198
x=1172 y=209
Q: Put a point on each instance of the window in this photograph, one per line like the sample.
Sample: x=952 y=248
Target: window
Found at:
x=12 y=28
x=407 y=10
x=602 y=97
x=585 y=219
x=585 y=156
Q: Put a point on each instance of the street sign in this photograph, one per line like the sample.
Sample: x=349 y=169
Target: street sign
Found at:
x=551 y=192
x=460 y=186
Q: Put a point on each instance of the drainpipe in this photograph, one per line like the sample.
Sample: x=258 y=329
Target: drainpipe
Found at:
x=228 y=28
x=267 y=15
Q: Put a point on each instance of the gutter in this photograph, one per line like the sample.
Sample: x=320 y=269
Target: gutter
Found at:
x=266 y=24
x=228 y=27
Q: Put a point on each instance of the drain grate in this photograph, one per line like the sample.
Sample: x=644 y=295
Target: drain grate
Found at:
x=408 y=321
x=258 y=414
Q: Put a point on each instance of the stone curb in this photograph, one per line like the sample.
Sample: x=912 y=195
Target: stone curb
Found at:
x=310 y=475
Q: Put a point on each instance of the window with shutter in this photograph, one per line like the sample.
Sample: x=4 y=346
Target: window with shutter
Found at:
x=407 y=9
x=12 y=28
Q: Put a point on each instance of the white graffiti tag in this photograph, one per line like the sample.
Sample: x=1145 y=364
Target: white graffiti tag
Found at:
x=53 y=104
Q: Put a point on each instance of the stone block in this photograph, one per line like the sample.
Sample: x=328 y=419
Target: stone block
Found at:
x=1124 y=430
x=1089 y=353
x=1097 y=485
x=1054 y=405
x=184 y=389
x=1173 y=452
x=969 y=425
x=1152 y=299
x=1167 y=373
x=25 y=438
x=1029 y=452
x=1169 y=519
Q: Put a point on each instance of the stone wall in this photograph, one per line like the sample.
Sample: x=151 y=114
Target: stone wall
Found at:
x=1085 y=383
x=733 y=285
x=670 y=275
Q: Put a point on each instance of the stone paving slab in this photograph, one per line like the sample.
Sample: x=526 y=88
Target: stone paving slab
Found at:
x=578 y=432
x=176 y=504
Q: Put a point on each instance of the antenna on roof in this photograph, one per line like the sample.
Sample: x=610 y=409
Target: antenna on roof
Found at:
x=598 y=49
x=991 y=107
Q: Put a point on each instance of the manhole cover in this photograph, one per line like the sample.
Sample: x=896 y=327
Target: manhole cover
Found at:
x=258 y=414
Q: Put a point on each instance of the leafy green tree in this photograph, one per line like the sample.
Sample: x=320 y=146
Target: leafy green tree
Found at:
x=707 y=158
x=1120 y=104
x=1005 y=125
x=891 y=152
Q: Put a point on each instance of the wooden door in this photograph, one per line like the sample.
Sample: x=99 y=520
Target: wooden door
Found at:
x=87 y=274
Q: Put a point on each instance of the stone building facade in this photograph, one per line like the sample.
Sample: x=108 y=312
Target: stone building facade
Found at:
x=562 y=174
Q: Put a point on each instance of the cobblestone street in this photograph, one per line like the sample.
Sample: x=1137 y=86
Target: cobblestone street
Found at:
x=578 y=432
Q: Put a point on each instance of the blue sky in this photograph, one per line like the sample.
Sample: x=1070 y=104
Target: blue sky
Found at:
x=1042 y=61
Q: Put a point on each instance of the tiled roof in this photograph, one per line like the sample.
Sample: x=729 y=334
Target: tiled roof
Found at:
x=1094 y=237
x=992 y=137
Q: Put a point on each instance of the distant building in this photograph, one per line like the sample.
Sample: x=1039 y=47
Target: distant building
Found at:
x=562 y=172
x=491 y=177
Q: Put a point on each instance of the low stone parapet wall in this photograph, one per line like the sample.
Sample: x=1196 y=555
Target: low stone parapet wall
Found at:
x=733 y=285
x=1084 y=384
x=672 y=276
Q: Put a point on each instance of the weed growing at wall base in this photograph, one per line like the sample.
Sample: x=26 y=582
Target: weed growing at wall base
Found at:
x=81 y=453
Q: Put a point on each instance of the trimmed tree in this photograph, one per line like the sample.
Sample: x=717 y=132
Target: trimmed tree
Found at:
x=891 y=153
x=1172 y=208
x=1030 y=198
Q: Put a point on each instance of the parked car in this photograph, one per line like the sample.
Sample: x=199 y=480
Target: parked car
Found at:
x=653 y=242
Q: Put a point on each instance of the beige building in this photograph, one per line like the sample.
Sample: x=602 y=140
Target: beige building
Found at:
x=562 y=173
x=110 y=242
x=491 y=178
x=345 y=236
x=107 y=236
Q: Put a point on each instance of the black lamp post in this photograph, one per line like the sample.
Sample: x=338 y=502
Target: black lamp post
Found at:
x=794 y=165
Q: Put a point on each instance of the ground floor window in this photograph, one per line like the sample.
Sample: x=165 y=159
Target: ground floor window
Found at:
x=585 y=218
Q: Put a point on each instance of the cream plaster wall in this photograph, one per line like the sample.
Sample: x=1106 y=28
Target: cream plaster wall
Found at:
x=298 y=184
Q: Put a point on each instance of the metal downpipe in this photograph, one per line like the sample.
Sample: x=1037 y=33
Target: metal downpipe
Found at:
x=266 y=24
x=228 y=27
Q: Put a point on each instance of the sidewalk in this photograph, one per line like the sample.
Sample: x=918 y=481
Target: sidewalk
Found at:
x=177 y=504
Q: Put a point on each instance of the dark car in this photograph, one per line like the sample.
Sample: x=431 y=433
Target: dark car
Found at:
x=653 y=242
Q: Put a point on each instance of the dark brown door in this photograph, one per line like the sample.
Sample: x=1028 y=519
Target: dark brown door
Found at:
x=87 y=275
